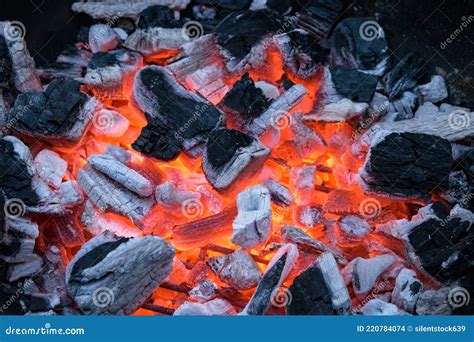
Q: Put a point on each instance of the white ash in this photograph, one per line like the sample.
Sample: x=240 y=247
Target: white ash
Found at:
x=210 y=200
x=26 y=269
x=209 y=82
x=69 y=194
x=122 y=174
x=433 y=302
x=50 y=167
x=354 y=227
x=339 y=111
x=402 y=108
x=125 y=275
x=102 y=38
x=270 y=90
x=407 y=290
x=215 y=307
x=378 y=106
x=110 y=123
x=203 y=292
x=306 y=139
x=122 y=155
x=308 y=215
x=238 y=270
x=23 y=252
x=279 y=193
x=459 y=188
x=434 y=91
x=367 y=271
x=253 y=224
x=302 y=183
x=156 y=40
x=23 y=226
x=171 y=197
x=377 y=307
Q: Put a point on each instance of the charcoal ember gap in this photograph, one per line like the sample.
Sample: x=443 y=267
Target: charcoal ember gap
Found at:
x=61 y=112
x=359 y=43
x=277 y=270
x=353 y=84
x=407 y=165
x=115 y=276
x=320 y=290
x=318 y=16
x=177 y=118
x=230 y=156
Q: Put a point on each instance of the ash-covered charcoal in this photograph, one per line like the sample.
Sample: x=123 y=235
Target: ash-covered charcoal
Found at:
x=353 y=84
x=360 y=43
x=102 y=38
x=6 y=69
x=407 y=165
x=215 y=307
x=203 y=292
x=238 y=270
x=171 y=197
x=459 y=188
x=107 y=194
x=318 y=16
x=434 y=302
x=115 y=276
x=23 y=71
x=434 y=91
x=50 y=167
x=407 y=290
x=241 y=32
x=301 y=54
x=402 y=107
x=158 y=32
x=320 y=290
x=29 y=268
x=176 y=118
x=307 y=244
x=365 y=272
x=309 y=215
x=354 y=227
x=451 y=238
x=279 y=193
x=106 y=9
x=245 y=101
x=62 y=112
x=277 y=270
x=339 y=111
x=378 y=307
x=231 y=156
x=404 y=76
x=253 y=224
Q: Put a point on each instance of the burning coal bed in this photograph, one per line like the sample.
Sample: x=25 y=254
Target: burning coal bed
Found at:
x=231 y=158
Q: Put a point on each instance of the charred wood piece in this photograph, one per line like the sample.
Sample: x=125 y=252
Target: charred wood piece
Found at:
x=318 y=16
x=279 y=193
x=353 y=84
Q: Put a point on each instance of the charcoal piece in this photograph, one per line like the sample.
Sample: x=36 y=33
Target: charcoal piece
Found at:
x=50 y=167
x=354 y=227
x=404 y=76
x=102 y=38
x=339 y=111
x=16 y=175
x=360 y=43
x=407 y=290
x=320 y=290
x=245 y=100
x=452 y=240
x=366 y=272
x=279 y=193
x=407 y=165
x=240 y=31
x=378 y=307
x=102 y=60
x=434 y=91
x=8 y=291
x=158 y=16
x=215 y=307
x=433 y=302
x=6 y=64
x=230 y=156
x=318 y=16
x=353 y=84
x=180 y=119
x=238 y=270
x=62 y=111
x=459 y=188
x=403 y=106
x=115 y=276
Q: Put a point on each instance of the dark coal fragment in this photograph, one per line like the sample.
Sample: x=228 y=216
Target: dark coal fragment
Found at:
x=102 y=60
x=353 y=84
x=408 y=164
x=281 y=6
x=445 y=247
x=404 y=76
x=360 y=43
x=223 y=144
x=177 y=118
x=245 y=100
x=240 y=31
x=318 y=16
x=15 y=178
x=310 y=295
x=227 y=4
x=158 y=16
x=5 y=64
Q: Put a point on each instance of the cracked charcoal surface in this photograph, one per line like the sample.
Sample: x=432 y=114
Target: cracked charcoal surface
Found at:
x=353 y=84
x=306 y=44
x=223 y=144
x=405 y=75
x=15 y=179
x=407 y=164
x=240 y=31
x=52 y=112
x=158 y=16
x=102 y=60
x=323 y=14
x=246 y=100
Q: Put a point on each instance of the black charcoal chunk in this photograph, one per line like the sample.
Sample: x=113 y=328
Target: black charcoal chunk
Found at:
x=102 y=60
x=360 y=43
x=353 y=84
x=404 y=76
x=5 y=64
x=245 y=100
x=158 y=16
x=407 y=164
x=227 y=4
x=318 y=16
x=223 y=144
x=240 y=31
x=281 y=6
